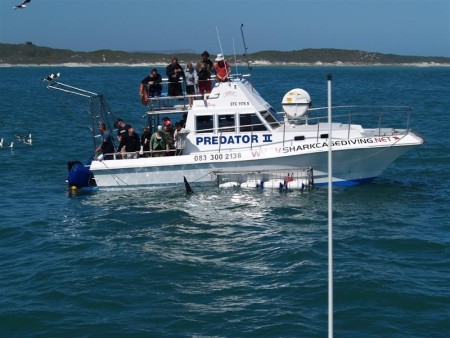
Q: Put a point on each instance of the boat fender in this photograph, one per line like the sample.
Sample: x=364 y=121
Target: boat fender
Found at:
x=79 y=175
x=143 y=94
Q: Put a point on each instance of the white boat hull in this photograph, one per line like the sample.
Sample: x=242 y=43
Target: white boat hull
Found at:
x=234 y=130
x=351 y=164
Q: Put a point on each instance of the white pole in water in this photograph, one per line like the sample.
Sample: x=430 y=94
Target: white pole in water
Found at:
x=330 y=217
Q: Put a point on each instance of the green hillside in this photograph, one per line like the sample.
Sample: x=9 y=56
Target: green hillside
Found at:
x=28 y=53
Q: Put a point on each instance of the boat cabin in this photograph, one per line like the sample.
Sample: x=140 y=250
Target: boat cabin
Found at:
x=232 y=116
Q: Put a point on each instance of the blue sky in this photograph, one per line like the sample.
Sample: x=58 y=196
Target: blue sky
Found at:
x=405 y=27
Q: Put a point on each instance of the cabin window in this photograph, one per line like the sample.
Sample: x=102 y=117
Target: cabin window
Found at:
x=204 y=124
x=227 y=123
x=251 y=122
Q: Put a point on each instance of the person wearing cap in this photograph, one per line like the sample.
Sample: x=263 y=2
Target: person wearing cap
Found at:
x=204 y=69
x=223 y=69
x=169 y=131
x=158 y=144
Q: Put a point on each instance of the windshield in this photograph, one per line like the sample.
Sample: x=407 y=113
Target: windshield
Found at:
x=268 y=115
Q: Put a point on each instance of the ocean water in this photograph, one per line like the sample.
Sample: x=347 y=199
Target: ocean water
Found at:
x=221 y=263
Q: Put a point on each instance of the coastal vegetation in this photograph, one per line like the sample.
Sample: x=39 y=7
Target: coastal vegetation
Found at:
x=28 y=53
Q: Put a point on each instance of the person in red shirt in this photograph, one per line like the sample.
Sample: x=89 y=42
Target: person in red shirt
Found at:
x=204 y=69
x=223 y=69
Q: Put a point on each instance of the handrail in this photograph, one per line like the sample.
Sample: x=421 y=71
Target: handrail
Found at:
x=380 y=112
x=130 y=155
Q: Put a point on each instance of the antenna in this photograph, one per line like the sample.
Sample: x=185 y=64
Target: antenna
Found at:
x=221 y=51
x=218 y=38
x=245 y=47
x=235 y=61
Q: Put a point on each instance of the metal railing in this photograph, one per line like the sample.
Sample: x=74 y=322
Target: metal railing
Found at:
x=382 y=118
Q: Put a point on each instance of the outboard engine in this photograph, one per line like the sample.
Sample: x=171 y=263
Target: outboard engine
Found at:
x=296 y=103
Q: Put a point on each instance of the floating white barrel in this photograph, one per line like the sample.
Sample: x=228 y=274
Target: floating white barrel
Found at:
x=229 y=185
x=274 y=183
x=296 y=103
x=296 y=185
x=251 y=184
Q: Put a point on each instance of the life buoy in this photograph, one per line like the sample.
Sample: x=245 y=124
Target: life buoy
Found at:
x=144 y=96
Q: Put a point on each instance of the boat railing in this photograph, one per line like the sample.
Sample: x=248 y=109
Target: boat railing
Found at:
x=167 y=102
x=383 y=118
x=139 y=154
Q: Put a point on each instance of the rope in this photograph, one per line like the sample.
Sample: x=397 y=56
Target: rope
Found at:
x=116 y=178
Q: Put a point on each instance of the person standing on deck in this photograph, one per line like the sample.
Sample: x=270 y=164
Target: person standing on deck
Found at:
x=107 y=145
x=223 y=69
x=191 y=77
x=158 y=144
x=152 y=82
x=132 y=143
x=175 y=73
x=145 y=141
x=204 y=69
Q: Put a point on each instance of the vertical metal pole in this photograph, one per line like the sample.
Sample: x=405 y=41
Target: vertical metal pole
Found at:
x=330 y=216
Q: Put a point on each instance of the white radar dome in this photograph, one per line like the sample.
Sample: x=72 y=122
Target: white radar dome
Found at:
x=296 y=103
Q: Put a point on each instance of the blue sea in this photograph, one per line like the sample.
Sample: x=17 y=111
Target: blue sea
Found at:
x=221 y=263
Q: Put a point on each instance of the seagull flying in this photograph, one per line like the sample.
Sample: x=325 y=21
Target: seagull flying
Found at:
x=52 y=77
x=22 y=5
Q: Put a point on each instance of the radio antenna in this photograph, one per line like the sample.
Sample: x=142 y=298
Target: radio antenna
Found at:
x=235 y=61
x=245 y=47
x=221 y=51
x=218 y=38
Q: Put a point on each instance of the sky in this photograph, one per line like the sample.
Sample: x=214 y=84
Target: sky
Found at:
x=403 y=27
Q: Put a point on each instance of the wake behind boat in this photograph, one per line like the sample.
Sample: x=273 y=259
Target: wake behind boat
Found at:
x=232 y=136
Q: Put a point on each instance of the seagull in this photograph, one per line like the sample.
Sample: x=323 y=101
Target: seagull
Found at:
x=24 y=139
x=22 y=5
x=52 y=77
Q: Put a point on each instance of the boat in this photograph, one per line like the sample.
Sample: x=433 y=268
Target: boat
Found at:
x=232 y=134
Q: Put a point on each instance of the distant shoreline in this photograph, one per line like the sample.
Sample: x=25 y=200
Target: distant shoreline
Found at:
x=254 y=64
x=31 y=55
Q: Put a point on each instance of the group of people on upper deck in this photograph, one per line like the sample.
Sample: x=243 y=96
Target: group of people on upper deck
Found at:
x=197 y=79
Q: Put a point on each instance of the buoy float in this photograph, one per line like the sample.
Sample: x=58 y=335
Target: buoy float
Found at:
x=251 y=184
x=144 y=96
x=229 y=185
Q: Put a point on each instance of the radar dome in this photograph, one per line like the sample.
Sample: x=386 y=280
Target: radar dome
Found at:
x=296 y=103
